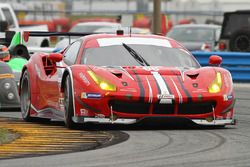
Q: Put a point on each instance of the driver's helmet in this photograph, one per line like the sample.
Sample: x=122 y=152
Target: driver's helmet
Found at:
x=4 y=53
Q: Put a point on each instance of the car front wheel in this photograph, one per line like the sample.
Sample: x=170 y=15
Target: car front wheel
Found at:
x=25 y=97
x=68 y=105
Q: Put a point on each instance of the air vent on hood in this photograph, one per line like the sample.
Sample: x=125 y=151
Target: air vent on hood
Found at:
x=193 y=76
x=117 y=74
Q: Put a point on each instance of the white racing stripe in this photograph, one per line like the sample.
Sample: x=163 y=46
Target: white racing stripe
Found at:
x=150 y=100
x=165 y=97
x=133 y=40
x=161 y=82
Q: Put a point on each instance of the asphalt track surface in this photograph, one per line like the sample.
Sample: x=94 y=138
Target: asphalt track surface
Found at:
x=164 y=144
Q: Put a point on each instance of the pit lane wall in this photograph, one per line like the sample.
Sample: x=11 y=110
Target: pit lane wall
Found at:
x=238 y=63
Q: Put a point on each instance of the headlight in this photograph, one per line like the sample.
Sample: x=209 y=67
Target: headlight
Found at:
x=11 y=96
x=103 y=84
x=7 y=85
x=215 y=86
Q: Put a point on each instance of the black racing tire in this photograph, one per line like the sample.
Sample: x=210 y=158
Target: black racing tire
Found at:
x=240 y=41
x=25 y=97
x=68 y=105
x=19 y=51
x=25 y=100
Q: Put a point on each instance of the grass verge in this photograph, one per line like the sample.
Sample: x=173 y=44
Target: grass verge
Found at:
x=3 y=136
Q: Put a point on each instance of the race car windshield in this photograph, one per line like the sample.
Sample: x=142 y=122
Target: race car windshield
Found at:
x=137 y=56
x=118 y=55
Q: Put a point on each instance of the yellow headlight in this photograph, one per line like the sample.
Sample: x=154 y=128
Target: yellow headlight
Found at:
x=103 y=84
x=215 y=87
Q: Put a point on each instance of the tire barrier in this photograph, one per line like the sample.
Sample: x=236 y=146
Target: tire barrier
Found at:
x=238 y=63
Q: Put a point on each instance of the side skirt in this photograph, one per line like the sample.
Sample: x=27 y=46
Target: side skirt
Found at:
x=49 y=112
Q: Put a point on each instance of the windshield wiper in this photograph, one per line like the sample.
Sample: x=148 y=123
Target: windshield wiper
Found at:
x=136 y=55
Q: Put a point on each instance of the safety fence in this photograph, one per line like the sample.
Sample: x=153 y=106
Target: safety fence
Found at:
x=238 y=63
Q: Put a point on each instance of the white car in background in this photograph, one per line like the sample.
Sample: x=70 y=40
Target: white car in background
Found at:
x=196 y=36
x=88 y=28
x=126 y=30
x=7 y=14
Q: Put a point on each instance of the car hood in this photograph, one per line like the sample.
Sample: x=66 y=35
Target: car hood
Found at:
x=146 y=74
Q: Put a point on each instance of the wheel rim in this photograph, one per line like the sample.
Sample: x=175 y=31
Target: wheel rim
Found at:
x=25 y=98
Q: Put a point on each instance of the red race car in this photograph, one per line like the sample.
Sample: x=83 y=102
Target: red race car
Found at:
x=117 y=78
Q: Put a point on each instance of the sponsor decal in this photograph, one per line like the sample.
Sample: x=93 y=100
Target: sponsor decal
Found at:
x=124 y=83
x=199 y=91
x=85 y=95
x=165 y=98
x=219 y=117
x=200 y=97
x=129 y=96
x=61 y=100
x=84 y=111
x=195 y=85
x=228 y=115
x=99 y=116
x=227 y=97
x=209 y=119
x=128 y=90
x=84 y=79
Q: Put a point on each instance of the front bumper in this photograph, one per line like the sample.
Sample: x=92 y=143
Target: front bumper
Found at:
x=215 y=122
x=132 y=121
x=210 y=110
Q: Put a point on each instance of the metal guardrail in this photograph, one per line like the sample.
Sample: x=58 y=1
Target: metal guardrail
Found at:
x=238 y=63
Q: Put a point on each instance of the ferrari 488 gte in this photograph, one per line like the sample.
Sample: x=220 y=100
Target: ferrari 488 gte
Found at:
x=117 y=78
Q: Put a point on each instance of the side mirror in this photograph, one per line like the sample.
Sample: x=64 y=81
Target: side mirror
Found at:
x=215 y=60
x=55 y=57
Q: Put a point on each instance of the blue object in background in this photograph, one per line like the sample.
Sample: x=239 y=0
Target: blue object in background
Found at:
x=238 y=63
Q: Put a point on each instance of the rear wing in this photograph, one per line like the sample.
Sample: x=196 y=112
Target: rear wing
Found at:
x=47 y=33
x=54 y=34
x=18 y=45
